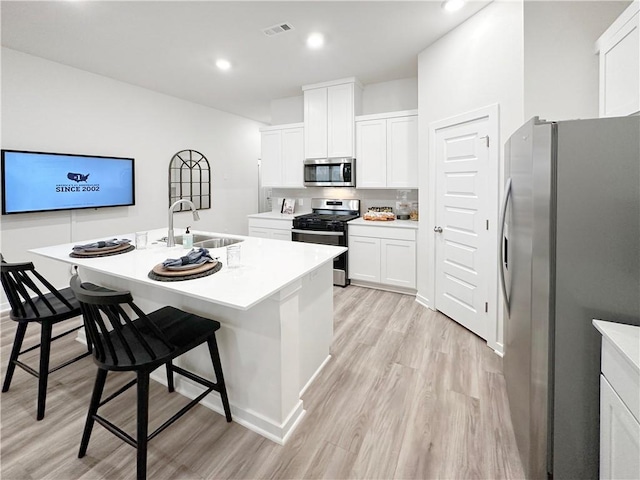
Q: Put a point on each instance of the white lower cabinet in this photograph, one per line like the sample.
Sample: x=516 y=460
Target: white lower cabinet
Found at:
x=383 y=255
x=364 y=258
x=398 y=263
x=278 y=229
x=619 y=401
x=619 y=436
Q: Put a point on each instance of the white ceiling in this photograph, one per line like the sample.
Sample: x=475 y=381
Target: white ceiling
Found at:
x=171 y=46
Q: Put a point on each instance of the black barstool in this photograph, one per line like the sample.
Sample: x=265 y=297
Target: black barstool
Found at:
x=142 y=345
x=34 y=300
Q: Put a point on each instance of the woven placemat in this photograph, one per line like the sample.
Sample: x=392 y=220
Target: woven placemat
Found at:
x=125 y=248
x=191 y=276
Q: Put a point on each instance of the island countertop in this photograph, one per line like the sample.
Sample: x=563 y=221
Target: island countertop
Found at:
x=266 y=267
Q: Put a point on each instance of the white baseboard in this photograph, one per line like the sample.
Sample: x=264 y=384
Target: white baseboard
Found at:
x=278 y=433
x=313 y=377
x=386 y=288
x=424 y=301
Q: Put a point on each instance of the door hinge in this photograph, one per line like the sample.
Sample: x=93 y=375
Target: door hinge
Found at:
x=486 y=307
x=486 y=139
x=487 y=224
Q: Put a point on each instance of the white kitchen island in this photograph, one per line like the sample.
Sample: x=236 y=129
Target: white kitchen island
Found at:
x=276 y=312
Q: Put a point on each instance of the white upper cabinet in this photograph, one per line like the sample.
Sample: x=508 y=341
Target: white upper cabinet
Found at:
x=271 y=164
x=329 y=115
x=292 y=157
x=402 y=152
x=282 y=156
x=371 y=159
x=387 y=150
x=315 y=123
x=619 y=49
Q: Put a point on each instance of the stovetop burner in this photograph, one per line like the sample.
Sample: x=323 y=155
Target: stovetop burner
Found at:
x=328 y=215
x=323 y=217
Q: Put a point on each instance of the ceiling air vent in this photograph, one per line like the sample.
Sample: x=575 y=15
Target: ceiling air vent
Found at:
x=277 y=29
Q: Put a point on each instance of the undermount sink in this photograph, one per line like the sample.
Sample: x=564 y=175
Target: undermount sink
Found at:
x=207 y=241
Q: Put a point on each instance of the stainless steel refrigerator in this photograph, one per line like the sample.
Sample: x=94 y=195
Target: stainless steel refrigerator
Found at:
x=570 y=252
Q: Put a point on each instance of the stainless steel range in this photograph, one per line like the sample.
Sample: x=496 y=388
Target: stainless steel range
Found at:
x=328 y=225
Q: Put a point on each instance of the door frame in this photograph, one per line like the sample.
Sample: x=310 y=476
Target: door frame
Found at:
x=492 y=112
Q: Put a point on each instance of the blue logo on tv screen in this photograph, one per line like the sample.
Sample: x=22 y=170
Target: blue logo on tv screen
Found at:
x=78 y=177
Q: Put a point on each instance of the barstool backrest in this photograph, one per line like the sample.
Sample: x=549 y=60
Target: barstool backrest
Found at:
x=116 y=338
x=30 y=295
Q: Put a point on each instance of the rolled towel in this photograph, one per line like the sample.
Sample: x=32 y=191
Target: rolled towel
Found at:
x=197 y=256
x=114 y=242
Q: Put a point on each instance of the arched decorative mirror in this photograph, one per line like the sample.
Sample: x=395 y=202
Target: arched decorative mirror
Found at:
x=190 y=178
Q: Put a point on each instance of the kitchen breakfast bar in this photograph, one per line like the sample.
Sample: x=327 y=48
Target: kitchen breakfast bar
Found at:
x=276 y=312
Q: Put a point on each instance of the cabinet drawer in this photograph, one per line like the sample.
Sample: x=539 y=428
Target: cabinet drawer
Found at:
x=621 y=376
x=271 y=223
x=383 y=232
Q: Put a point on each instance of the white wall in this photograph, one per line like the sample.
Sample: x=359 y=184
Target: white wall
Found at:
x=380 y=97
x=54 y=108
x=560 y=64
x=478 y=64
x=287 y=110
x=390 y=96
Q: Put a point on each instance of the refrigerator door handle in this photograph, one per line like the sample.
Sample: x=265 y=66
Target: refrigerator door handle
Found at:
x=501 y=247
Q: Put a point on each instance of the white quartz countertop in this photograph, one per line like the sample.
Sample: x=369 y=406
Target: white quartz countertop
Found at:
x=394 y=223
x=277 y=215
x=267 y=266
x=625 y=338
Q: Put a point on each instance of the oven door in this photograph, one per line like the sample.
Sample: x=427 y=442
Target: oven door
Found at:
x=327 y=238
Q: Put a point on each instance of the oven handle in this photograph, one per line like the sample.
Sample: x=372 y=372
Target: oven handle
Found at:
x=316 y=232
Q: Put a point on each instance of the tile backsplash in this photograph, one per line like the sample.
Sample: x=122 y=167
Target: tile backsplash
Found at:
x=368 y=198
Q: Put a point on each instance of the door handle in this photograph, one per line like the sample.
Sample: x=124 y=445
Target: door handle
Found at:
x=503 y=218
x=437 y=229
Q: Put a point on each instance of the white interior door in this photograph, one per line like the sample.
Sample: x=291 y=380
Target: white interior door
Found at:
x=463 y=246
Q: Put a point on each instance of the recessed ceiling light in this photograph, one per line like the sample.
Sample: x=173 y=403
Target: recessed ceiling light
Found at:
x=315 y=40
x=453 y=5
x=223 y=64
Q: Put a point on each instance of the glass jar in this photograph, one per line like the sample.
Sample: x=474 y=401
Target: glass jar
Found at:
x=403 y=206
x=413 y=214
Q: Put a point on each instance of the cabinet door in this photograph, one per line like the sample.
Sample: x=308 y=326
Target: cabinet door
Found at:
x=282 y=235
x=315 y=123
x=402 y=152
x=398 y=263
x=364 y=259
x=371 y=154
x=619 y=436
x=271 y=161
x=620 y=71
x=260 y=232
x=292 y=157
x=340 y=123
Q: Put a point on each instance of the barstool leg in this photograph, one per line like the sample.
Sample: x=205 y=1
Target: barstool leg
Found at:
x=169 y=366
x=217 y=368
x=43 y=374
x=15 y=351
x=143 y=419
x=98 y=387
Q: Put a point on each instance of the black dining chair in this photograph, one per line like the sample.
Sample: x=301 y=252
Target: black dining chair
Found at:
x=141 y=346
x=34 y=300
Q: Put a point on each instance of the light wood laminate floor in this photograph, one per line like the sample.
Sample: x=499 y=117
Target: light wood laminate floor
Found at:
x=408 y=394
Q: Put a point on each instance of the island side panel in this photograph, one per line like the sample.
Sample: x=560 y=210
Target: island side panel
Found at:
x=316 y=323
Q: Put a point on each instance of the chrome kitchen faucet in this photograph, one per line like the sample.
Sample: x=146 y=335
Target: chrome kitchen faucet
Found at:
x=171 y=242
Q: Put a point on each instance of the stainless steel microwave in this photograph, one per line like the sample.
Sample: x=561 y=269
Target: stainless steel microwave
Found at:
x=330 y=172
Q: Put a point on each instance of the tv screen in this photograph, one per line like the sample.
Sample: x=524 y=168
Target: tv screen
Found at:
x=42 y=182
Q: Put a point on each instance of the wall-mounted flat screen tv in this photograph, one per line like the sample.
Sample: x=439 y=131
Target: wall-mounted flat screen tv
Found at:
x=42 y=182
